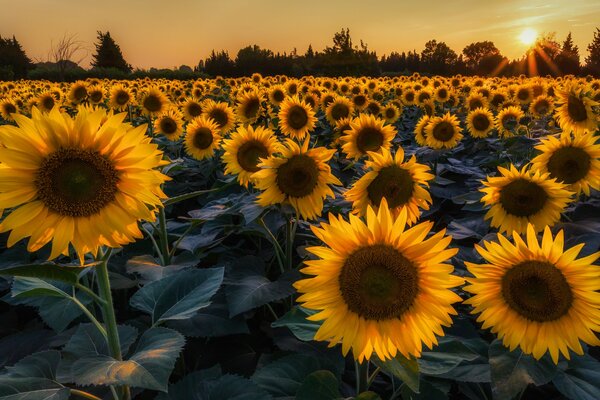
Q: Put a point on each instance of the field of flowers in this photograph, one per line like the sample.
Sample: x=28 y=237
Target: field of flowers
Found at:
x=402 y=237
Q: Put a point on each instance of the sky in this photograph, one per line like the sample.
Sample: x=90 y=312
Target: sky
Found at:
x=167 y=34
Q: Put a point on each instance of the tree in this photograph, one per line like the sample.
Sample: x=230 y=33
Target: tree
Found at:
x=108 y=54
x=218 y=63
x=592 y=61
x=541 y=59
x=67 y=53
x=567 y=59
x=14 y=63
x=252 y=59
x=438 y=58
x=481 y=54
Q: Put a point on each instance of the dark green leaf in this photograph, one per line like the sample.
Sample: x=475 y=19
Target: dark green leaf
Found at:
x=407 y=370
x=33 y=287
x=320 y=385
x=32 y=389
x=178 y=296
x=50 y=271
x=38 y=365
x=580 y=380
x=149 y=270
x=296 y=321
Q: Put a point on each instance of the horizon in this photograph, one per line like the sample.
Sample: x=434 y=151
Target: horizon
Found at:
x=146 y=45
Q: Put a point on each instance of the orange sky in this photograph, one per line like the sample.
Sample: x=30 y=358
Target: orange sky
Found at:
x=160 y=33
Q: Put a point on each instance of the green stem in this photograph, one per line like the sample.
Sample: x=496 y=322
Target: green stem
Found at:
x=156 y=246
x=362 y=376
x=90 y=316
x=183 y=235
x=278 y=250
x=90 y=293
x=164 y=236
x=85 y=395
x=373 y=376
x=110 y=319
x=191 y=195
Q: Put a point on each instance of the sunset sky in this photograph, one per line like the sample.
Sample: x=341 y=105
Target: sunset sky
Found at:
x=159 y=33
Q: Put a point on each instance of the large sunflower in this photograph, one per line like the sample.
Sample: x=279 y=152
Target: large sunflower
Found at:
x=572 y=159
x=378 y=287
x=249 y=106
x=480 y=122
x=367 y=133
x=202 y=138
x=85 y=181
x=245 y=149
x=520 y=197
x=541 y=106
x=537 y=296
x=191 y=108
x=300 y=177
x=443 y=132
x=296 y=118
x=421 y=129
x=221 y=113
x=575 y=113
x=340 y=108
x=401 y=183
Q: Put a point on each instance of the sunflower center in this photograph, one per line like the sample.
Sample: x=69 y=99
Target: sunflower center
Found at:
x=474 y=104
x=360 y=100
x=542 y=107
x=96 y=96
x=377 y=282
x=297 y=117
x=122 y=98
x=252 y=107
x=369 y=139
x=219 y=116
x=203 y=138
x=394 y=183
x=523 y=198
x=298 y=177
x=168 y=126
x=481 y=122
x=444 y=131
x=76 y=183
x=194 y=109
x=80 y=93
x=390 y=113
x=509 y=121
x=576 y=109
x=10 y=108
x=537 y=290
x=152 y=103
x=523 y=94
x=569 y=164
x=48 y=102
x=339 y=111
x=278 y=96
x=249 y=153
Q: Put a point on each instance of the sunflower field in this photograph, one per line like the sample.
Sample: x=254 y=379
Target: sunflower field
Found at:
x=406 y=237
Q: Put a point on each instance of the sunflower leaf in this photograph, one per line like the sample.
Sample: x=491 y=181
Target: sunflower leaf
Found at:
x=405 y=369
x=580 y=379
x=50 y=271
x=320 y=385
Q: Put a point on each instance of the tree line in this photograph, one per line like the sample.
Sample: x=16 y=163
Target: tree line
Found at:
x=343 y=58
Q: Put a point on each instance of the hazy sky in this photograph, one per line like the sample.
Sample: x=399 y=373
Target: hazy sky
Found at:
x=164 y=33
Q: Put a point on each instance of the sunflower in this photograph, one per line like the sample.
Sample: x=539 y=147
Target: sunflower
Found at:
x=360 y=101
x=367 y=133
x=299 y=177
x=202 y=138
x=401 y=183
x=480 y=122
x=249 y=107
x=221 y=113
x=507 y=121
x=541 y=106
x=520 y=197
x=408 y=97
x=443 y=132
x=340 y=128
x=8 y=106
x=191 y=109
x=153 y=102
x=575 y=113
x=84 y=181
x=296 y=118
x=390 y=113
x=339 y=108
x=421 y=129
x=170 y=124
x=46 y=102
x=379 y=289
x=537 y=296
x=475 y=101
x=119 y=97
x=245 y=149
x=572 y=159
x=277 y=95
x=524 y=94
x=96 y=94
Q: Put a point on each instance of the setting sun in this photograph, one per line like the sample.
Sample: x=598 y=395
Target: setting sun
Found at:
x=528 y=36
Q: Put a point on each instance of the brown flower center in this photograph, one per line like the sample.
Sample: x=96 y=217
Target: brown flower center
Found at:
x=394 y=183
x=249 y=153
x=523 y=198
x=569 y=164
x=299 y=176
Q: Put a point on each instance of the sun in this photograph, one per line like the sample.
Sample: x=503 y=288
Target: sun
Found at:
x=528 y=36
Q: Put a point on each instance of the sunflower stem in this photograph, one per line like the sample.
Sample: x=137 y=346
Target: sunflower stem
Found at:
x=90 y=316
x=85 y=395
x=362 y=376
x=91 y=293
x=108 y=311
x=164 y=236
x=278 y=250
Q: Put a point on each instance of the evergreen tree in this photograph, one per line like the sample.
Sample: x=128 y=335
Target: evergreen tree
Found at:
x=14 y=63
x=567 y=59
x=108 y=54
x=593 y=59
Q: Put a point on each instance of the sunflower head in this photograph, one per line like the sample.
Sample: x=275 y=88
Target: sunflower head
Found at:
x=575 y=112
x=191 y=109
x=480 y=122
x=120 y=97
x=8 y=106
x=249 y=106
x=153 y=102
x=367 y=133
x=508 y=120
x=221 y=113
x=443 y=132
x=541 y=106
x=537 y=296
x=375 y=281
x=339 y=108
x=296 y=118
x=169 y=124
x=202 y=138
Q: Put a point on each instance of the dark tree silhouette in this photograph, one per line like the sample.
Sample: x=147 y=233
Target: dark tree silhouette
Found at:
x=438 y=58
x=567 y=60
x=108 y=54
x=483 y=58
x=592 y=61
x=14 y=63
x=219 y=63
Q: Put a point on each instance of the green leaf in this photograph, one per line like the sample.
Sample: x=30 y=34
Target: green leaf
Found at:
x=580 y=380
x=283 y=377
x=37 y=365
x=449 y=354
x=512 y=371
x=32 y=389
x=407 y=370
x=248 y=288
x=150 y=270
x=178 y=296
x=367 y=396
x=296 y=321
x=33 y=287
x=320 y=385
x=50 y=271
x=149 y=367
